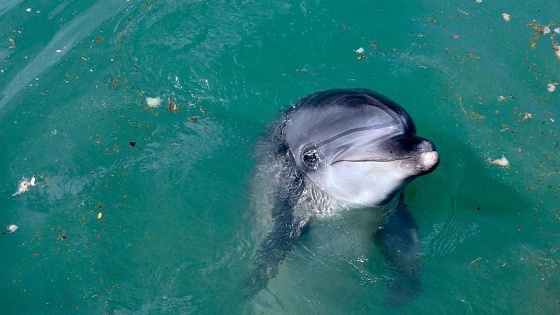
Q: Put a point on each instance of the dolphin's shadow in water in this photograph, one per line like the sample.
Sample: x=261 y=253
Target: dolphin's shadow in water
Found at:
x=397 y=238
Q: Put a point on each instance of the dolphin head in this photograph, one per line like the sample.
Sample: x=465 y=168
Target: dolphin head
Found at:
x=357 y=145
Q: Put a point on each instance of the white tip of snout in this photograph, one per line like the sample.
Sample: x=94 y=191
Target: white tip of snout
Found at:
x=428 y=161
x=420 y=164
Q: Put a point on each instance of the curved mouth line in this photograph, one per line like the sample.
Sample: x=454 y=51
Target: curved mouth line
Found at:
x=379 y=159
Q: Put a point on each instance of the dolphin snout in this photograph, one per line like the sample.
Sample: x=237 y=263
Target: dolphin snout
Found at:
x=428 y=161
x=421 y=164
x=425 y=146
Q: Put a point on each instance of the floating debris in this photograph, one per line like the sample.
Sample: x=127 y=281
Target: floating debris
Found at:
x=506 y=128
x=465 y=13
x=503 y=161
x=551 y=87
x=153 y=101
x=527 y=116
x=24 y=185
x=545 y=30
x=539 y=29
x=11 y=228
x=556 y=48
x=473 y=114
x=360 y=50
x=172 y=106
x=506 y=17
x=475 y=261
x=99 y=215
x=502 y=98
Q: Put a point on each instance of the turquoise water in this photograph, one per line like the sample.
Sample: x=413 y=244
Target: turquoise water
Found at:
x=147 y=210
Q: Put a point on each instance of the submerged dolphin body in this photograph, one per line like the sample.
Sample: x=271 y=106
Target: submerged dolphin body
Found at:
x=340 y=150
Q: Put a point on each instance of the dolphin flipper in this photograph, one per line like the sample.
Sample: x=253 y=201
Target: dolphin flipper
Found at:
x=287 y=228
x=397 y=237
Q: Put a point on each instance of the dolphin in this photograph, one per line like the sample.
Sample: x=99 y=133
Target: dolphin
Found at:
x=341 y=150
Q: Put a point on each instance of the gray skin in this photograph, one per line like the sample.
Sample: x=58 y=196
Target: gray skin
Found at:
x=340 y=150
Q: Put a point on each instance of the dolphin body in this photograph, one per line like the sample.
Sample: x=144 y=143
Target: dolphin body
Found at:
x=342 y=150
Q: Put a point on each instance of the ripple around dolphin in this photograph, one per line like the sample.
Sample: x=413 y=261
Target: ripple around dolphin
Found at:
x=447 y=235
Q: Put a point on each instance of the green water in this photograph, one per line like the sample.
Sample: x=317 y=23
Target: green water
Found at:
x=164 y=226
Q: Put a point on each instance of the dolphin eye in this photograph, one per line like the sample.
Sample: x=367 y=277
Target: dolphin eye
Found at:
x=311 y=159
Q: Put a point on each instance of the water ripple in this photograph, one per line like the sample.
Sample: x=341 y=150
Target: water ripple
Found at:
x=62 y=42
x=447 y=235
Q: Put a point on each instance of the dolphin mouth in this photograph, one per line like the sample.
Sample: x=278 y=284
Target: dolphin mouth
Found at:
x=421 y=163
x=396 y=148
x=389 y=159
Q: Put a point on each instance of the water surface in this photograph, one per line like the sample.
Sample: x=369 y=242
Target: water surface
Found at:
x=146 y=210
